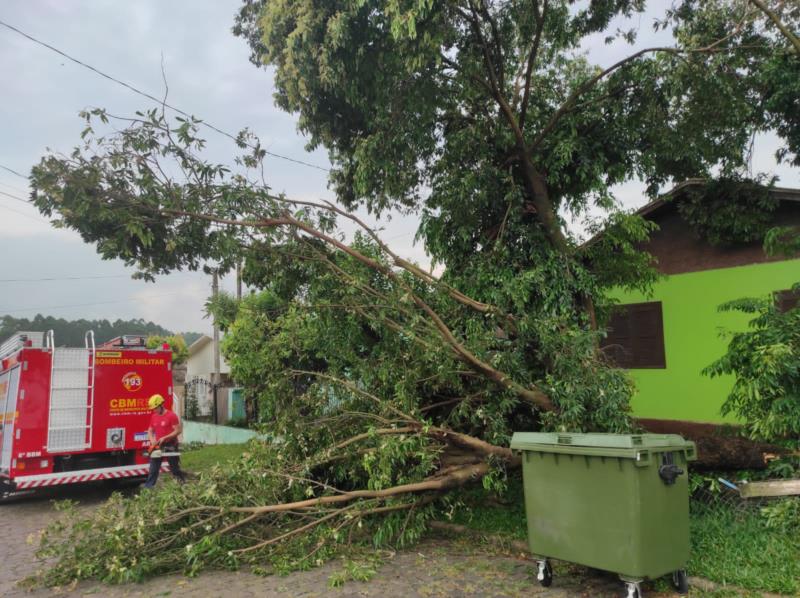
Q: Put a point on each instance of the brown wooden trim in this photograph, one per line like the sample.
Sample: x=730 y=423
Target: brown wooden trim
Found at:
x=678 y=250
x=787 y=300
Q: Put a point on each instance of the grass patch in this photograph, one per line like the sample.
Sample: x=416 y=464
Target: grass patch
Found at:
x=730 y=544
x=733 y=545
x=495 y=515
x=204 y=458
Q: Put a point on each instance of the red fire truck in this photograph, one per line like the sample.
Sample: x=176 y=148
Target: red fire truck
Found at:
x=73 y=415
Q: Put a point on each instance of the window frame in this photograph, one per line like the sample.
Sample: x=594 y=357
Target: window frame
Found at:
x=659 y=350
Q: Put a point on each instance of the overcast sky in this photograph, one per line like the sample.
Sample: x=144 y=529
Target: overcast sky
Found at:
x=209 y=76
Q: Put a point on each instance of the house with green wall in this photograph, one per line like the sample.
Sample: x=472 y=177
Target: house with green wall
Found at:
x=668 y=337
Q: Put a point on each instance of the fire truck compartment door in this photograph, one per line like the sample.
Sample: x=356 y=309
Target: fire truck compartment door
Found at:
x=9 y=387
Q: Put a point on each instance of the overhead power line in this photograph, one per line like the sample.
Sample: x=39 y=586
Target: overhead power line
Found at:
x=27 y=203
x=12 y=196
x=64 y=278
x=141 y=297
x=11 y=170
x=34 y=218
x=13 y=188
x=149 y=96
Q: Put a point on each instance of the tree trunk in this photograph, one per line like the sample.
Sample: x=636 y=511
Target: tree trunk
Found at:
x=718 y=446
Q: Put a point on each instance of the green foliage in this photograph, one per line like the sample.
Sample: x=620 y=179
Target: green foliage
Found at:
x=786 y=467
x=404 y=97
x=70 y=333
x=614 y=252
x=782 y=241
x=192 y=406
x=112 y=191
x=765 y=361
x=780 y=80
x=492 y=513
x=224 y=308
x=542 y=298
x=129 y=539
x=783 y=515
x=180 y=352
x=729 y=211
x=700 y=483
x=277 y=345
x=355 y=571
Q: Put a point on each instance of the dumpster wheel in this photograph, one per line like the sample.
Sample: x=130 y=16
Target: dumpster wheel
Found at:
x=545 y=573
x=633 y=589
x=680 y=582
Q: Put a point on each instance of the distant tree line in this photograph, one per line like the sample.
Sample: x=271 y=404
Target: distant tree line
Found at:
x=71 y=332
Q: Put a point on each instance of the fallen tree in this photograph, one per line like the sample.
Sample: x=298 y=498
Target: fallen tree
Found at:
x=220 y=521
x=385 y=386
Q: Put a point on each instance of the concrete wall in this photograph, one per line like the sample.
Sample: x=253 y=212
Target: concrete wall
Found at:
x=694 y=337
x=211 y=434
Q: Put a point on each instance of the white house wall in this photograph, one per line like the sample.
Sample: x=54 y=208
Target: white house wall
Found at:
x=201 y=363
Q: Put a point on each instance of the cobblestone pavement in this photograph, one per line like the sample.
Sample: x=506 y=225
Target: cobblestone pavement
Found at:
x=431 y=570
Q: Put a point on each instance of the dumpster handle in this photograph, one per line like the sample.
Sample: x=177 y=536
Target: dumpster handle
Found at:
x=642 y=458
x=668 y=471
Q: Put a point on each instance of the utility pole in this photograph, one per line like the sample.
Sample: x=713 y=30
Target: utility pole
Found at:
x=239 y=280
x=216 y=380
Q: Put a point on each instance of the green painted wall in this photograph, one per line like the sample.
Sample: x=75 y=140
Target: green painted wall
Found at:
x=692 y=328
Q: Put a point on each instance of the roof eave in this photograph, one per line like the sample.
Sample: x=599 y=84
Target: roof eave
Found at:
x=199 y=344
x=782 y=193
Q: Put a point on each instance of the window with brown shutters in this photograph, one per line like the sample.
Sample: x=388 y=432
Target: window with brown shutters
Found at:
x=636 y=336
x=787 y=299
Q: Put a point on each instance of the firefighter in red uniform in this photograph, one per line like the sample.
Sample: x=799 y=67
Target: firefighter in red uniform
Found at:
x=165 y=427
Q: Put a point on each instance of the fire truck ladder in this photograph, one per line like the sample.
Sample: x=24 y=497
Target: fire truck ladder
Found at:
x=19 y=341
x=71 y=414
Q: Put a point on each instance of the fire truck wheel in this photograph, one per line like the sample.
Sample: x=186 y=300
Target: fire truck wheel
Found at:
x=122 y=483
x=10 y=497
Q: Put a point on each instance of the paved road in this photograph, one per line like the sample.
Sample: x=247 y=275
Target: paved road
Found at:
x=431 y=570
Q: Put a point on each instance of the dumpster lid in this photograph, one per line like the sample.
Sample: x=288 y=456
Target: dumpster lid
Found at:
x=538 y=440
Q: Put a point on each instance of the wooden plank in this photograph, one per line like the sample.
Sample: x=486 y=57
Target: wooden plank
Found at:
x=771 y=488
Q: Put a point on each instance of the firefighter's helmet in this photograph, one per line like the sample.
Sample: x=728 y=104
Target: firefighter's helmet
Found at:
x=155 y=401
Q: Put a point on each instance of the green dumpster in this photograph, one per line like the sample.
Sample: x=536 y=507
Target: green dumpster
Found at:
x=614 y=502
